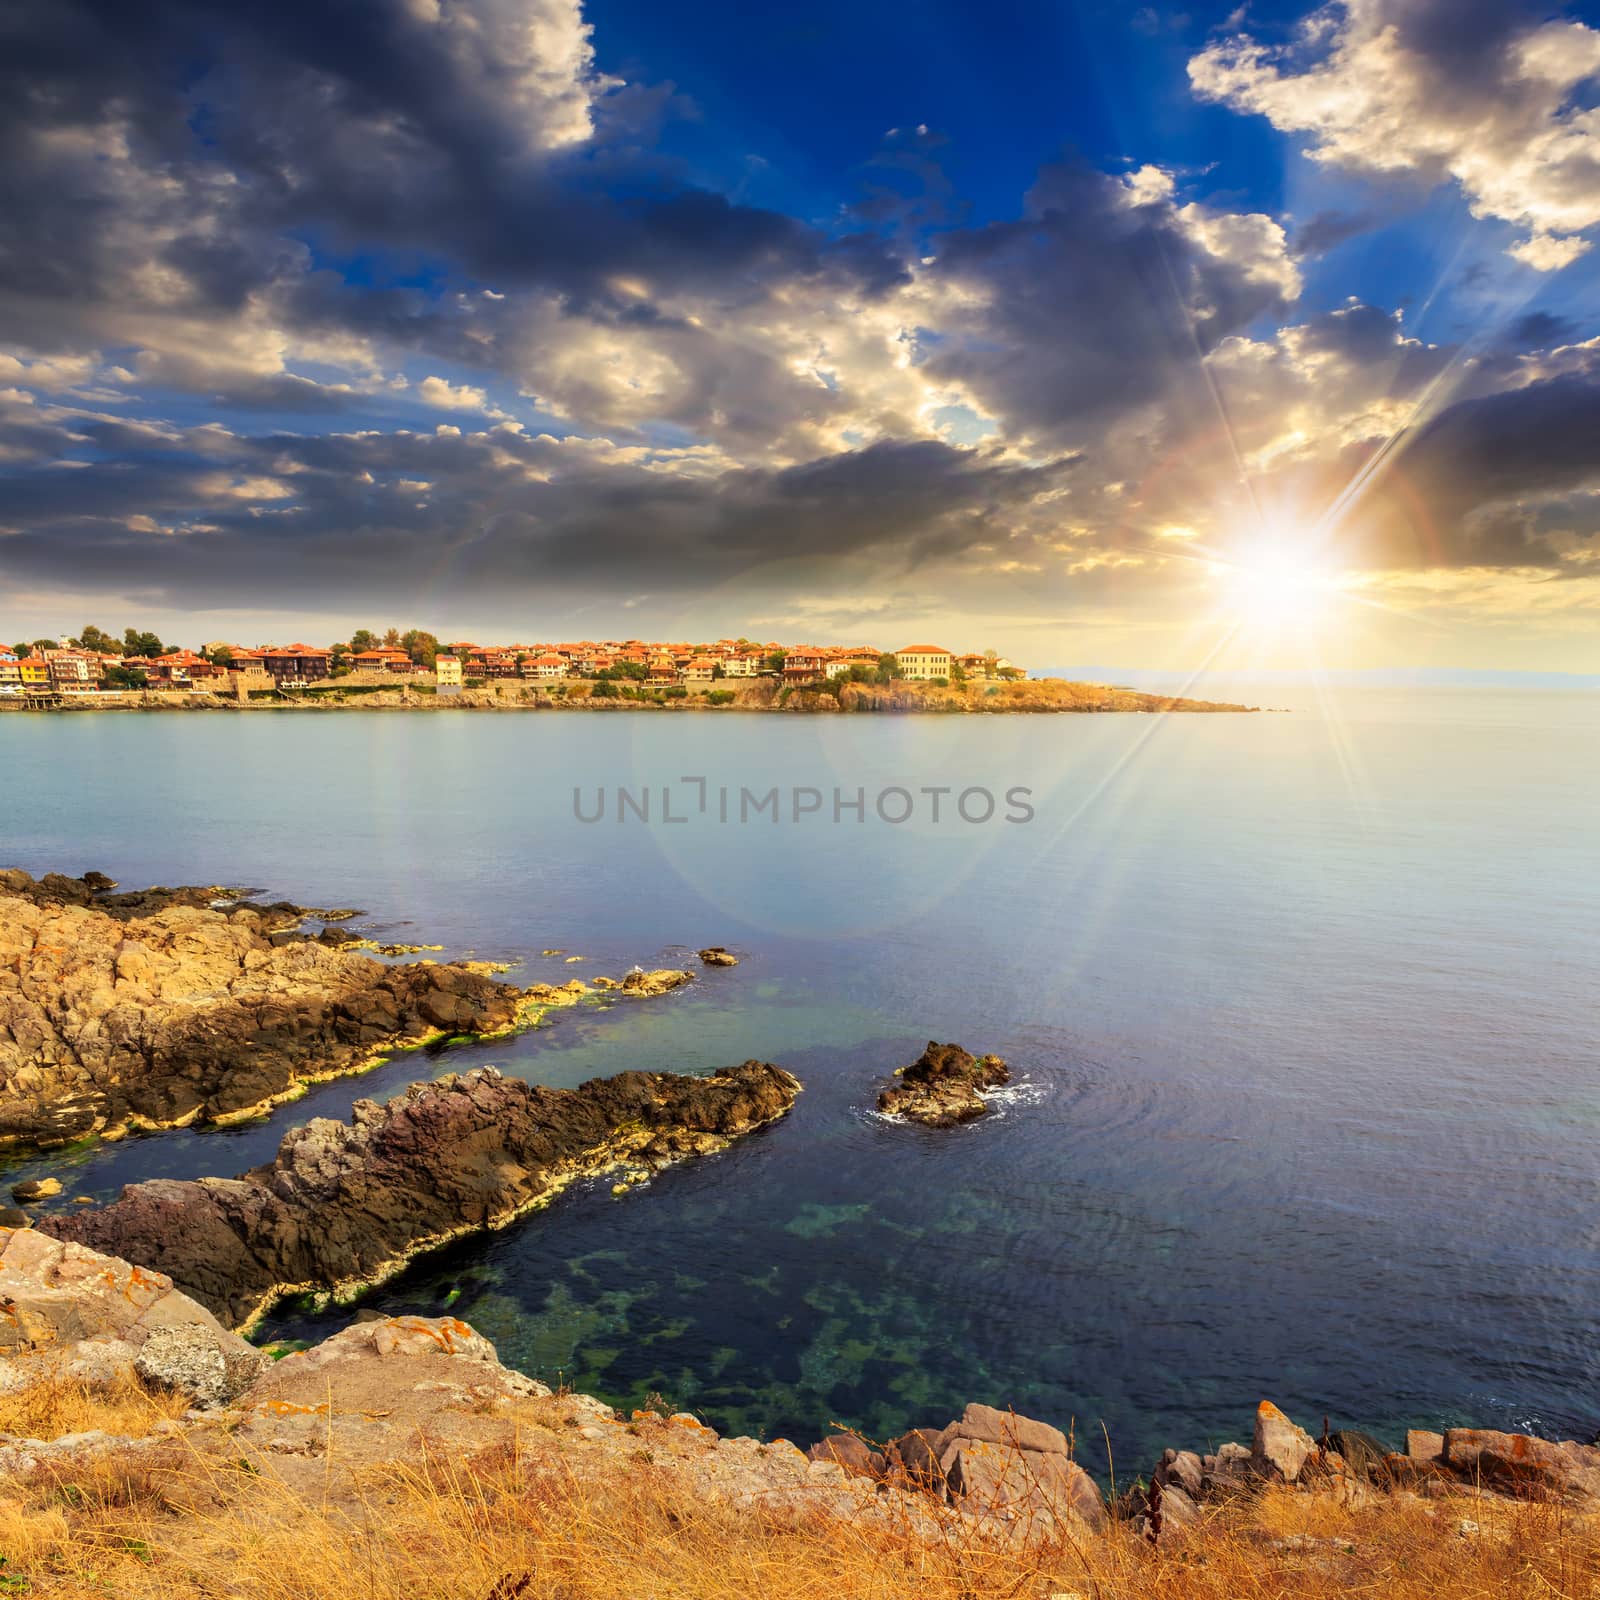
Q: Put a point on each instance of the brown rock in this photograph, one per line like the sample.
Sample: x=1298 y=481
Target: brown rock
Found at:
x=1517 y=1461
x=991 y=1478
x=646 y=984
x=1182 y=1469
x=915 y=1456
x=1421 y=1445
x=716 y=956
x=986 y=1424
x=32 y=1190
x=943 y=1086
x=1280 y=1448
x=162 y=1008
x=91 y=1316
x=346 y=1205
x=853 y=1454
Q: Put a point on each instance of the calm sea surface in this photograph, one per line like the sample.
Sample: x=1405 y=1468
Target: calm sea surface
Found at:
x=1303 y=1010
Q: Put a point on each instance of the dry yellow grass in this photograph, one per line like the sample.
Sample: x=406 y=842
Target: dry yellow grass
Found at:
x=177 y=1521
x=56 y=1405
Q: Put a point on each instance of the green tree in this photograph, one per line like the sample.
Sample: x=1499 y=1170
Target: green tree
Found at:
x=222 y=656
x=46 y=644
x=22 y=650
x=93 y=638
x=135 y=643
x=391 y=639
x=422 y=647
x=363 y=639
x=774 y=662
x=126 y=678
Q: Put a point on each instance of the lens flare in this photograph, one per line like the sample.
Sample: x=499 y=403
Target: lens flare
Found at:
x=1277 y=589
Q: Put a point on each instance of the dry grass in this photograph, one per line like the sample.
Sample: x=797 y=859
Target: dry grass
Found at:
x=175 y=1522
x=56 y=1405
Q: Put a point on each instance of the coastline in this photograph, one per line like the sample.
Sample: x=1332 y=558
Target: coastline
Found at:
x=164 y=1008
x=120 y=1386
x=1037 y=697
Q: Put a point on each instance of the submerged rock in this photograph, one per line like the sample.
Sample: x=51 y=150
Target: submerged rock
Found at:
x=943 y=1086
x=346 y=1205
x=646 y=984
x=31 y=1190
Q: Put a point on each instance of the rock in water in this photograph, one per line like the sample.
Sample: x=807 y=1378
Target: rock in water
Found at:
x=160 y=1008
x=942 y=1087
x=31 y=1190
x=347 y=1205
x=716 y=956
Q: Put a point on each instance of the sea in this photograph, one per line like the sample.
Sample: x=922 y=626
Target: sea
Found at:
x=1302 y=1009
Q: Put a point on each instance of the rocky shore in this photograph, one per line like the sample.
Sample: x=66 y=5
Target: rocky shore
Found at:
x=392 y=1402
x=345 y=1206
x=943 y=1086
x=165 y=1007
x=904 y=697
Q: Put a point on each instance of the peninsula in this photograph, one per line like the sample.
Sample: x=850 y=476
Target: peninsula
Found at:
x=414 y=671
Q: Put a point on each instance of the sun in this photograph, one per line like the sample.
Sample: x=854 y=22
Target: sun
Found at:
x=1278 y=590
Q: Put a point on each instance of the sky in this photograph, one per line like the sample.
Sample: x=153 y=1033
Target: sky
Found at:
x=1170 y=338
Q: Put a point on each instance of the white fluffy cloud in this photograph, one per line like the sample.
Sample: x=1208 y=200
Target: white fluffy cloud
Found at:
x=1370 y=86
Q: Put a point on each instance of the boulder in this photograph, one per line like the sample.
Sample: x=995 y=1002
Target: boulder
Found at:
x=1279 y=1448
x=1181 y=1469
x=914 y=1456
x=1521 y=1463
x=1423 y=1445
x=987 y=1425
x=208 y=1366
x=32 y=1190
x=716 y=956
x=853 y=1454
x=1366 y=1456
x=993 y=1479
x=943 y=1086
x=92 y=1317
x=647 y=984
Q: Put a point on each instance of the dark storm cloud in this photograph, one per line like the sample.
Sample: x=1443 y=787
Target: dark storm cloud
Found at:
x=250 y=127
x=391 y=511
x=1094 y=303
x=1494 y=480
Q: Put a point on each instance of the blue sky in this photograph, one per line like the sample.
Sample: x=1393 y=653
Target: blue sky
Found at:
x=1158 y=334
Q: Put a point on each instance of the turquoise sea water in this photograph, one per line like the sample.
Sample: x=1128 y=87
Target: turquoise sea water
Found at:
x=1303 y=1009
